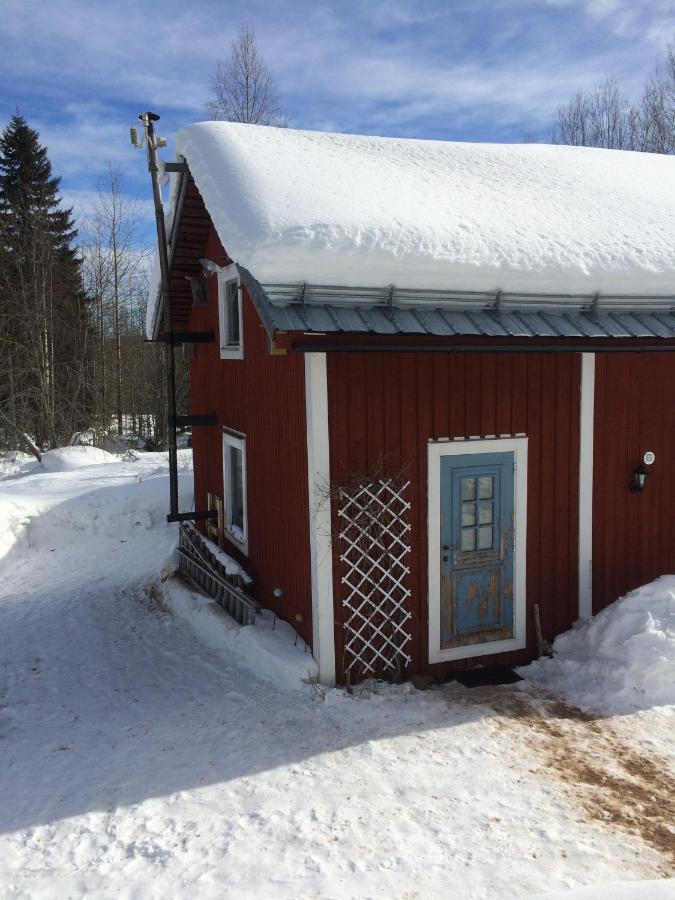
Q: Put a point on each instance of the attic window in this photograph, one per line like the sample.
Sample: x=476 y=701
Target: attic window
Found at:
x=229 y=313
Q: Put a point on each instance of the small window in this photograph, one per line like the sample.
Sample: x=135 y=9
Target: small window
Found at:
x=234 y=488
x=477 y=513
x=229 y=313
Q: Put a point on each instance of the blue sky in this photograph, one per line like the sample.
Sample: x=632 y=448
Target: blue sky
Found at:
x=80 y=71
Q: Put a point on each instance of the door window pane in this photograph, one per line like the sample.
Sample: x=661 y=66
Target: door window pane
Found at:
x=485 y=487
x=468 y=488
x=468 y=540
x=468 y=514
x=485 y=512
x=485 y=537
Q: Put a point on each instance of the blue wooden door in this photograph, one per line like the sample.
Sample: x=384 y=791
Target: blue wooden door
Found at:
x=477 y=507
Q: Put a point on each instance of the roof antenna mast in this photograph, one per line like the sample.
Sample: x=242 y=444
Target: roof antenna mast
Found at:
x=152 y=143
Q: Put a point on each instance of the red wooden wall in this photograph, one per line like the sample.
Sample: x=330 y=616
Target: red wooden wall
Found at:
x=633 y=533
x=398 y=401
x=385 y=407
x=263 y=397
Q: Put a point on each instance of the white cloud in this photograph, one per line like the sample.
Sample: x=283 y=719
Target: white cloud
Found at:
x=85 y=203
x=650 y=22
x=81 y=71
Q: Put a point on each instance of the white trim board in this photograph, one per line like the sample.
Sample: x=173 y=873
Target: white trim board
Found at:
x=435 y=451
x=318 y=474
x=586 y=425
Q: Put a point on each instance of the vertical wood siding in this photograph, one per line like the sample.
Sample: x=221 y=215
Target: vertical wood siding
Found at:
x=387 y=406
x=633 y=533
x=263 y=397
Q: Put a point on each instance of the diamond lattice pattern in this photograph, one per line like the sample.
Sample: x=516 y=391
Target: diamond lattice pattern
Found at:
x=374 y=543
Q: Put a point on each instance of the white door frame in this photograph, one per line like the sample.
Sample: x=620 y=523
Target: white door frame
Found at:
x=437 y=450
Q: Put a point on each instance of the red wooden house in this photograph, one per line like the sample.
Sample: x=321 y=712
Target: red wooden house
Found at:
x=442 y=380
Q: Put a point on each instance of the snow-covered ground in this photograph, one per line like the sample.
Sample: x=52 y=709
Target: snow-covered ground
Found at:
x=136 y=761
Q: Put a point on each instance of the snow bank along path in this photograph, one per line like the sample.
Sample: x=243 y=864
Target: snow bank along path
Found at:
x=135 y=762
x=621 y=660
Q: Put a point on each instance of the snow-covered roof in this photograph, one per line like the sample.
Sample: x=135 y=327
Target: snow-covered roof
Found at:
x=342 y=209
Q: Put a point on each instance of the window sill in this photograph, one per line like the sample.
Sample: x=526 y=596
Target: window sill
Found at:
x=241 y=545
x=232 y=352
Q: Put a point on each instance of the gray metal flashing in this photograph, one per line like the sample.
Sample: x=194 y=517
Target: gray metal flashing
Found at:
x=260 y=302
x=337 y=309
x=285 y=294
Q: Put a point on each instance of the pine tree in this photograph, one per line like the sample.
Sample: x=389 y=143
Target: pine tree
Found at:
x=44 y=324
x=28 y=190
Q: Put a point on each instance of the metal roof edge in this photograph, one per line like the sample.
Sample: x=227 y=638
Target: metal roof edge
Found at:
x=172 y=219
x=259 y=298
x=350 y=296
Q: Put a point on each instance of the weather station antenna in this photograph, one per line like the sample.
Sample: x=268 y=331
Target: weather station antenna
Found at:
x=152 y=143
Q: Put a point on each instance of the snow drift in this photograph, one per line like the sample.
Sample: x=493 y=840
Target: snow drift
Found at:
x=82 y=493
x=66 y=459
x=621 y=660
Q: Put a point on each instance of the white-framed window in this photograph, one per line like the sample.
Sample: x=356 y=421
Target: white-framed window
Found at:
x=477 y=523
x=230 y=313
x=234 y=489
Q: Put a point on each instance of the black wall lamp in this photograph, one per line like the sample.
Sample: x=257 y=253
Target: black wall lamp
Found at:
x=639 y=479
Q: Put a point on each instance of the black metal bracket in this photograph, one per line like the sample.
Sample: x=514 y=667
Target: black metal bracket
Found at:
x=189 y=516
x=175 y=167
x=188 y=421
x=188 y=337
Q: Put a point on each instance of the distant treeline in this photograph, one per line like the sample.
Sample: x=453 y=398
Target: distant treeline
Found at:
x=604 y=117
x=73 y=361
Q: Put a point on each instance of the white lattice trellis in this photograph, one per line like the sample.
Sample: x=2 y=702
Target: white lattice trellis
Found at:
x=374 y=543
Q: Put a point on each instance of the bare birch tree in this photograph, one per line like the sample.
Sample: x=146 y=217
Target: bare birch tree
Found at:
x=243 y=86
x=603 y=117
x=114 y=262
x=657 y=108
x=128 y=377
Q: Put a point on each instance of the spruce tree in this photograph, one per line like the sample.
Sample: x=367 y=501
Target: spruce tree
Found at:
x=43 y=312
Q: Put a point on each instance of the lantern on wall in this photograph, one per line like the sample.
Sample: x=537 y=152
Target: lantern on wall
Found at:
x=639 y=480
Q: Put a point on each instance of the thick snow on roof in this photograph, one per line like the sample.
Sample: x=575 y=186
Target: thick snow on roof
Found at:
x=369 y=211
x=338 y=208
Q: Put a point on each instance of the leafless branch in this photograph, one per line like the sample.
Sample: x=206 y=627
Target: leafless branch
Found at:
x=243 y=86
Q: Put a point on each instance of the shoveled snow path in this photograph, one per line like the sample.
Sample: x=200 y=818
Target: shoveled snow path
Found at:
x=135 y=763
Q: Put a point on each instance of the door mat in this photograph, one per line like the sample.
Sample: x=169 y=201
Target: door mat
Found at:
x=484 y=676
